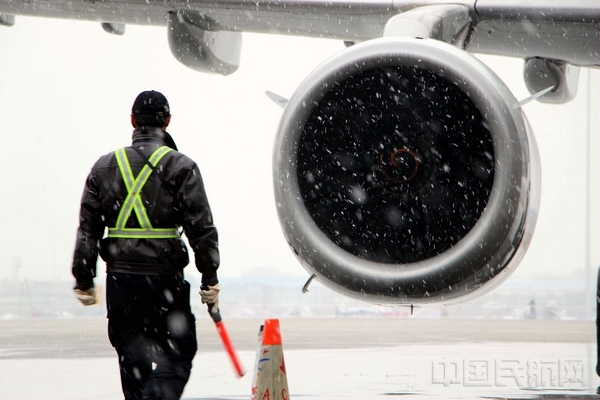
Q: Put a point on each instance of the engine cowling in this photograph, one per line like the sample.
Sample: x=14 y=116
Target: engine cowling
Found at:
x=202 y=44
x=405 y=173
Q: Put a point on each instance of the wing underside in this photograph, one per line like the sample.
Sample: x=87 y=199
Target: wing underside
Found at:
x=547 y=28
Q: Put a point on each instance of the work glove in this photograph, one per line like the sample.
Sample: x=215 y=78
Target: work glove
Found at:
x=86 y=297
x=210 y=296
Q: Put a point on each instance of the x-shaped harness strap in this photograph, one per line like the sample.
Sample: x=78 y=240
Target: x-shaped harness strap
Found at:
x=133 y=201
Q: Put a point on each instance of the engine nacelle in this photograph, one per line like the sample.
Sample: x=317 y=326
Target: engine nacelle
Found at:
x=405 y=173
x=202 y=45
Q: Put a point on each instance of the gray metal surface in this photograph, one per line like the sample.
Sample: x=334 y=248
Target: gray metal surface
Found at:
x=565 y=31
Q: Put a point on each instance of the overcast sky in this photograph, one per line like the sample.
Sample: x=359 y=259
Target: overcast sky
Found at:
x=66 y=90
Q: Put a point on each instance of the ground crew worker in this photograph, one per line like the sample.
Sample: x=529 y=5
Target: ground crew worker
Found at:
x=143 y=194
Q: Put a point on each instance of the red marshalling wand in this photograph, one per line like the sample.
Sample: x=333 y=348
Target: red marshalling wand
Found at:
x=227 y=343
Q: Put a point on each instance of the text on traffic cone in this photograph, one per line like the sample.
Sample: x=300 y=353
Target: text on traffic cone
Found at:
x=270 y=378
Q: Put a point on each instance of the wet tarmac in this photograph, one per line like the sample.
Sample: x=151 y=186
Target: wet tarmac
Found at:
x=368 y=358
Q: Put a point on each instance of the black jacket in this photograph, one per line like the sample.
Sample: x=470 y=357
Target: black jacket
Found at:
x=173 y=197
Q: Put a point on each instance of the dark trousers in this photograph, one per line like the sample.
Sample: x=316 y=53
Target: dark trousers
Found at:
x=152 y=328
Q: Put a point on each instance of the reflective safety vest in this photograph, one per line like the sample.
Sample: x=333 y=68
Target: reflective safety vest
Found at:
x=133 y=202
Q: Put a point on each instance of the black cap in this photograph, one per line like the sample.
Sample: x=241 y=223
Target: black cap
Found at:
x=150 y=108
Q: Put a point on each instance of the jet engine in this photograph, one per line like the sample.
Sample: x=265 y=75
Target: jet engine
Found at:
x=405 y=173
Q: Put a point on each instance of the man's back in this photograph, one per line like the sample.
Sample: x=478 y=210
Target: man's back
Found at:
x=141 y=196
x=173 y=196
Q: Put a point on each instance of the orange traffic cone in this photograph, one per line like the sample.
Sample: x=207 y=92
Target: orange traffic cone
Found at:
x=270 y=378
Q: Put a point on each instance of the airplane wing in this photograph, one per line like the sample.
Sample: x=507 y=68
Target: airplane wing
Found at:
x=552 y=29
x=405 y=171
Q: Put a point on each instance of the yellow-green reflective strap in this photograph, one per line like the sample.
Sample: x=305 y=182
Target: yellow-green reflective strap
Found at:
x=133 y=201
